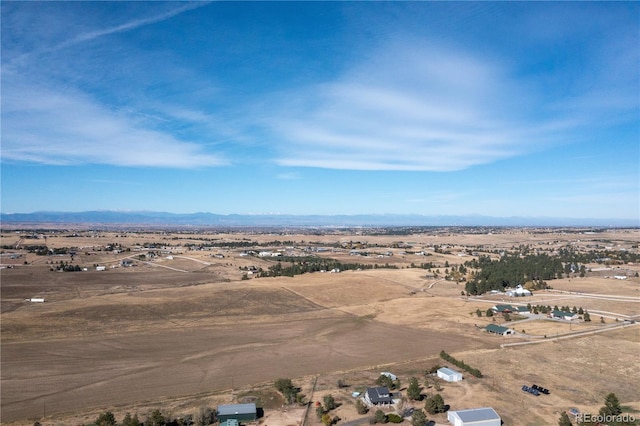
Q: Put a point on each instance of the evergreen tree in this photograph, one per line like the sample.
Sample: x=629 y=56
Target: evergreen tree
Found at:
x=413 y=391
x=385 y=380
x=106 y=419
x=564 y=420
x=128 y=420
x=435 y=404
x=329 y=402
x=418 y=418
x=611 y=406
x=156 y=419
x=380 y=417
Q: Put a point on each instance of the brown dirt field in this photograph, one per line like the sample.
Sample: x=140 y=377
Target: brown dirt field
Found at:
x=630 y=287
x=69 y=354
x=552 y=327
x=70 y=374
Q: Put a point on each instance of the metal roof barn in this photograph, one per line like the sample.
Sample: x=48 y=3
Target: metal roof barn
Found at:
x=485 y=416
x=239 y=412
x=449 y=375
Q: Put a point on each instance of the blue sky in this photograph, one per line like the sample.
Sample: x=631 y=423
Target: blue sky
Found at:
x=434 y=108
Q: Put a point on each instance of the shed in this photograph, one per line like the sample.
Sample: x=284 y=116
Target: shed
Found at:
x=238 y=412
x=498 y=329
x=449 y=375
x=486 y=416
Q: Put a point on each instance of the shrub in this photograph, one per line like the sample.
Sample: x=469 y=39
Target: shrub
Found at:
x=394 y=418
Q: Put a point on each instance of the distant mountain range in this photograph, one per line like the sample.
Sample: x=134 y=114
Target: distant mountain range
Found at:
x=163 y=219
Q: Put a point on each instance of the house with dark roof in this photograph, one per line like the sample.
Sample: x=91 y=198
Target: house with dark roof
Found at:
x=498 y=329
x=564 y=315
x=378 y=396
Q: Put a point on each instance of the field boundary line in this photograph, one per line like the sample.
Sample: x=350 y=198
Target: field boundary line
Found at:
x=306 y=411
x=566 y=336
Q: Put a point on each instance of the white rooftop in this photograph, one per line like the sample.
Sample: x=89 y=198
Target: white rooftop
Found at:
x=477 y=414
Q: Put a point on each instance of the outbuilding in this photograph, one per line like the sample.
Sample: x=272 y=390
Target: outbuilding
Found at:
x=449 y=374
x=486 y=416
x=238 y=412
x=498 y=329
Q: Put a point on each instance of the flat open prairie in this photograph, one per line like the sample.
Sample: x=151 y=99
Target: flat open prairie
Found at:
x=182 y=323
x=115 y=348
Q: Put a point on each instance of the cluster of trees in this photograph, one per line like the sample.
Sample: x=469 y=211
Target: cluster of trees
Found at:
x=313 y=264
x=473 y=371
x=206 y=416
x=380 y=417
x=40 y=250
x=67 y=267
x=568 y=255
x=427 y=265
x=323 y=410
x=435 y=404
x=611 y=411
x=290 y=392
x=384 y=380
x=511 y=270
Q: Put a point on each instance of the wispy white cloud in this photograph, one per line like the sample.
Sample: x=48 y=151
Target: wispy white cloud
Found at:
x=289 y=176
x=58 y=126
x=417 y=106
x=87 y=36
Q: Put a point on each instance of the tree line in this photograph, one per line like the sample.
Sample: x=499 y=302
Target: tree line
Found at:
x=460 y=364
x=313 y=264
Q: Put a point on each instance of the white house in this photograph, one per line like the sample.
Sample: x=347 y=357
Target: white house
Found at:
x=518 y=292
x=101 y=268
x=486 y=416
x=620 y=277
x=449 y=375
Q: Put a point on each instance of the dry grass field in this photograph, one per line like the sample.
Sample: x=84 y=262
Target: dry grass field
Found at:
x=182 y=329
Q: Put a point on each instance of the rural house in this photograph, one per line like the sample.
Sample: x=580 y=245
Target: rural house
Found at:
x=564 y=315
x=378 y=396
x=449 y=374
x=503 y=309
x=486 y=416
x=519 y=291
x=498 y=329
x=239 y=412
